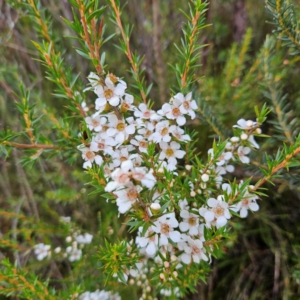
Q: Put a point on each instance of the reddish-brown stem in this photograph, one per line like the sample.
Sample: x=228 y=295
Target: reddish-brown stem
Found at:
x=31 y=146
x=276 y=169
x=127 y=44
x=93 y=49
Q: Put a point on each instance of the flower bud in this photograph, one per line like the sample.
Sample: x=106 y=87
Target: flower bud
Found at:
x=205 y=177
x=175 y=274
x=188 y=167
x=244 y=136
x=162 y=276
x=234 y=139
x=68 y=239
x=155 y=208
x=57 y=250
x=166 y=264
x=193 y=194
x=258 y=130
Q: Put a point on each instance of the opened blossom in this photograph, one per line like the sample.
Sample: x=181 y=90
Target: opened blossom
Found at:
x=217 y=213
x=164 y=226
x=188 y=106
x=111 y=92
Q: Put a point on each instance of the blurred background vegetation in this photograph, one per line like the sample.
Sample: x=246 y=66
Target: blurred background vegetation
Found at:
x=262 y=259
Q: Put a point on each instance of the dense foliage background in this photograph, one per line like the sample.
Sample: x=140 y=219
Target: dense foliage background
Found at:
x=240 y=67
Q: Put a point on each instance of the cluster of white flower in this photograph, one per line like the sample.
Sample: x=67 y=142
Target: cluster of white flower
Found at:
x=120 y=145
x=73 y=252
x=99 y=295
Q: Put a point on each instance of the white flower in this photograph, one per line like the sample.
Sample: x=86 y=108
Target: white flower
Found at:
x=74 y=253
x=140 y=142
x=127 y=103
x=173 y=112
x=246 y=125
x=84 y=239
x=183 y=204
x=252 y=142
x=165 y=227
x=150 y=241
x=102 y=144
x=147 y=131
x=217 y=214
x=94 y=80
x=120 y=177
x=95 y=122
x=127 y=197
x=144 y=112
x=89 y=156
x=242 y=152
x=248 y=202
x=223 y=158
x=187 y=105
x=162 y=132
x=178 y=133
x=201 y=232
x=171 y=152
x=110 y=92
x=119 y=129
x=144 y=176
x=119 y=156
x=193 y=250
x=190 y=222
x=42 y=251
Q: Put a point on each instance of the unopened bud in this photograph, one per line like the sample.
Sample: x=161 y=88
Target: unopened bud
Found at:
x=193 y=194
x=57 y=250
x=173 y=258
x=244 y=136
x=131 y=281
x=205 y=177
x=166 y=264
x=155 y=208
x=188 y=167
x=162 y=276
x=258 y=130
x=68 y=239
x=175 y=274
x=234 y=139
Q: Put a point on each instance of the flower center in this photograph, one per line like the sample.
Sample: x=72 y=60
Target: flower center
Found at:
x=123 y=158
x=108 y=93
x=195 y=249
x=95 y=123
x=120 y=126
x=164 y=131
x=192 y=221
x=104 y=128
x=186 y=105
x=169 y=152
x=90 y=155
x=245 y=202
x=165 y=228
x=219 y=210
x=132 y=194
x=148 y=133
x=123 y=178
x=143 y=144
x=176 y=112
x=146 y=114
x=101 y=146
